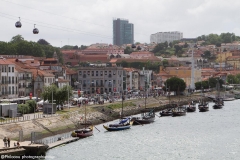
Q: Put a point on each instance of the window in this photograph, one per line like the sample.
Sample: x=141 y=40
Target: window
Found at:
x=9 y=90
x=45 y=80
x=80 y=72
x=9 y=80
x=105 y=73
x=12 y=90
x=9 y=69
x=92 y=73
x=16 y=79
x=12 y=80
x=12 y=69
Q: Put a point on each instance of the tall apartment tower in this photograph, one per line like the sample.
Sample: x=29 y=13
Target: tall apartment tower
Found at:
x=123 y=32
x=162 y=37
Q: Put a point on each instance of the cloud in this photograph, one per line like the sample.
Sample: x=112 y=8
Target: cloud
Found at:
x=78 y=22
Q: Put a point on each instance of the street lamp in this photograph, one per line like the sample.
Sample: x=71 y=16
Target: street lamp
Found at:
x=52 y=96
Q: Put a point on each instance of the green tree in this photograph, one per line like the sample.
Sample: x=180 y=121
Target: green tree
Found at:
x=175 y=84
x=206 y=54
x=83 y=47
x=59 y=95
x=75 y=47
x=43 y=42
x=159 y=47
x=170 y=44
x=31 y=105
x=16 y=39
x=165 y=62
x=127 y=50
x=178 y=49
x=165 y=44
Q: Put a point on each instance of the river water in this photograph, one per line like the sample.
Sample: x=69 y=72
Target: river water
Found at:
x=200 y=135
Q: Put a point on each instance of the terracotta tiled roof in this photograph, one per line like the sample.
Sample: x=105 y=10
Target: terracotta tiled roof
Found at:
x=94 y=58
x=70 y=71
x=130 y=69
x=5 y=61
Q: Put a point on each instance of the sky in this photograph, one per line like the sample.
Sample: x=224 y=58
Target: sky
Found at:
x=85 y=22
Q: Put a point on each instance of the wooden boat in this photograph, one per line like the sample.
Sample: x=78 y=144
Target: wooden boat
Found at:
x=147 y=116
x=167 y=112
x=86 y=131
x=191 y=107
x=83 y=133
x=218 y=100
x=122 y=125
x=203 y=106
x=179 y=111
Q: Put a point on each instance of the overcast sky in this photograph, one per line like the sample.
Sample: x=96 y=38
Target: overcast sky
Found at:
x=84 y=22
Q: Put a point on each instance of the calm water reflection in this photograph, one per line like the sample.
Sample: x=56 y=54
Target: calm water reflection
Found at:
x=207 y=136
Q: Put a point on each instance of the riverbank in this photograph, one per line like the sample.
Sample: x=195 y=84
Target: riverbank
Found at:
x=96 y=114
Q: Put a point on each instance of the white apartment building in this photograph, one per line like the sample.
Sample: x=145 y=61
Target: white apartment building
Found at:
x=8 y=79
x=162 y=37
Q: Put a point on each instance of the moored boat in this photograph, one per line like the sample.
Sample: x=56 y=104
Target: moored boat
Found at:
x=122 y=125
x=191 y=107
x=147 y=116
x=83 y=133
x=179 y=111
x=86 y=131
x=167 y=112
x=203 y=107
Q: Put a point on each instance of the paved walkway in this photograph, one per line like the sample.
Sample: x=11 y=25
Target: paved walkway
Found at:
x=24 y=143
x=63 y=141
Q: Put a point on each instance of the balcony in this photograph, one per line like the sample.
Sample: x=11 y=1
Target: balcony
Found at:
x=28 y=78
x=29 y=86
x=4 y=82
x=21 y=78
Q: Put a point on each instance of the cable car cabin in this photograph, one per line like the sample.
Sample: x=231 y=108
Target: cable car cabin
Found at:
x=18 y=24
x=133 y=46
x=35 y=31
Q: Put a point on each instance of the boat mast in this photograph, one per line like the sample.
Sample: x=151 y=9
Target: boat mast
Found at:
x=122 y=106
x=85 y=115
x=145 y=87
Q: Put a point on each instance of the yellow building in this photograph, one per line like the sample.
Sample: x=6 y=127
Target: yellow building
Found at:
x=222 y=56
x=234 y=61
x=184 y=73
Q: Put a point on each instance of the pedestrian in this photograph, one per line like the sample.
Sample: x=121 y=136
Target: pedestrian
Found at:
x=8 y=141
x=15 y=145
x=5 y=142
x=18 y=144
